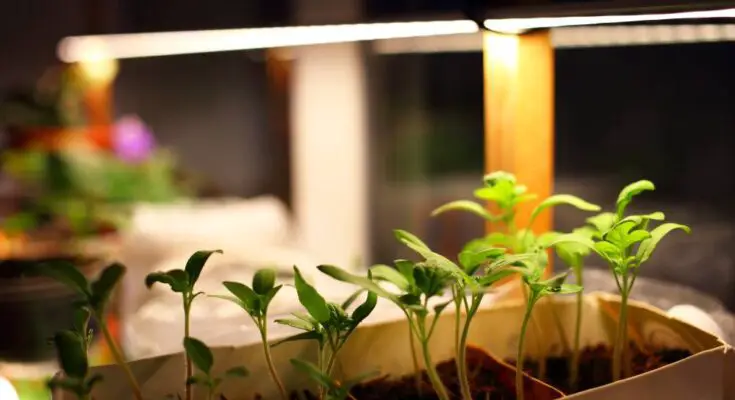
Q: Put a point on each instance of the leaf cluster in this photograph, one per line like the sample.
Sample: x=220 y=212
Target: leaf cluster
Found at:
x=202 y=357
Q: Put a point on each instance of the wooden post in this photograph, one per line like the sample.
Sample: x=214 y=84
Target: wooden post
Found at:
x=519 y=114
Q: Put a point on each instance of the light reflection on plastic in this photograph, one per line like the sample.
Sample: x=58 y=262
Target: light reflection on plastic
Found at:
x=7 y=391
x=520 y=25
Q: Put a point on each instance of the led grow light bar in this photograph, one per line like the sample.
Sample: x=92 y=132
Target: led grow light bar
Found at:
x=520 y=25
x=95 y=48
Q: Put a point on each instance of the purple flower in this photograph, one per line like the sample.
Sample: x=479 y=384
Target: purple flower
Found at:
x=132 y=140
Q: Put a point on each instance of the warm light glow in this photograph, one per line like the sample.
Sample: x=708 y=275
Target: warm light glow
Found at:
x=7 y=391
x=520 y=25
x=89 y=48
x=98 y=66
x=503 y=49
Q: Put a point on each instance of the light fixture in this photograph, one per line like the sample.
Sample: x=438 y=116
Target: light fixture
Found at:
x=119 y=46
x=518 y=20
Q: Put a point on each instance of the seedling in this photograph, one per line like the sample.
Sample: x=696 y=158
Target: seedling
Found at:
x=626 y=245
x=255 y=301
x=502 y=189
x=203 y=359
x=183 y=281
x=418 y=283
x=532 y=273
x=327 y=323
x=72 y=345
x=574 y=254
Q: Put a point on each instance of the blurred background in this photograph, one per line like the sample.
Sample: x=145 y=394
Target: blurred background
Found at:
x=312 y=155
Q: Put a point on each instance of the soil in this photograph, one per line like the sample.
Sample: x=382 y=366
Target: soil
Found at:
x=595 y=367
x=489 y=380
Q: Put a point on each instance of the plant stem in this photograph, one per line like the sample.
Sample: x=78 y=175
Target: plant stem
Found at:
x=521 y=342
x=574 y=370
x=263 y=325
x=189 y=368
x=416 y=367
x=464 y=380
x=541 y=351
x=460 y=349
x=119 y=359
x=621 y=336
x=436 y=382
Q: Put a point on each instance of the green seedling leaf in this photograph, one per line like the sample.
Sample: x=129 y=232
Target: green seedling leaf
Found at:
x=478 y=253
x=72 y=354
x=571 y=238
x=566 y=288
x=310 y=335
x=360 y=281
x=392 y=275
x=409 y=238
x=298 y=323
x=626 y=195
x=405 y=267
x=246 y=296
x=310 y=298
x=81 y=320
x=264 y=280
x=468 y=206
x=440 y=307
x=66 y=273
x=237 y=372
x=348 y=302
x=602 y=222
x=562 y=199
x=608 y=251
x=199 y=354
x=102 y=287
x=431 y=281
x=496 y=177
x=645 y=250
x=267 y=298
x=177 y=279
x=364 y=309
x=195 y=264
x=313 y=372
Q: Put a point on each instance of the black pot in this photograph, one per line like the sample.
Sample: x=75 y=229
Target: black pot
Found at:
x=33 y=309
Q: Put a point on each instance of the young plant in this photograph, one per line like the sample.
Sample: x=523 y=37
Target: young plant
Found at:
x=255 y=301
x=327 y=323
x=72 y=345
x=418 y=283
x=501 y=189
x=203 y=359
x=626 y=245
x=183 y=281
x=532 y=273
x=574 y=254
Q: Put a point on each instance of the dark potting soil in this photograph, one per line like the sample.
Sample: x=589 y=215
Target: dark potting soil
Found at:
x=595 y=366
x=488 y=380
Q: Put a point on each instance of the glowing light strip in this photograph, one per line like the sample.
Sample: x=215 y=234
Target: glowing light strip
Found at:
x=119 y=46
x=520 y=25
x=610 y=36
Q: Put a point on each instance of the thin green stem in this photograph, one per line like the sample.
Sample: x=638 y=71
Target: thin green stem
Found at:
x=189 y=367
x=320 y=366
x=521 y=342
x=263 y=327
x=620 y=337
x=119 y=359
x=457 y=335
x=416 y=367
x=462 y=364
x=574 y=375
x=436 y=382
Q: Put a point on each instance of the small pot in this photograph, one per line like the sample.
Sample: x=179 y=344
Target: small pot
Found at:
x=34 y=308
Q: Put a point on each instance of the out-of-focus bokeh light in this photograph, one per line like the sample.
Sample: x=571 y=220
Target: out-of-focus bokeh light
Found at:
x=7 y=391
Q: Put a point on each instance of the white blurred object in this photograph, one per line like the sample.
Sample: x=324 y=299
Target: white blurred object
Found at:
x=213 y=223
x=697 y=317
x=7 y=391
